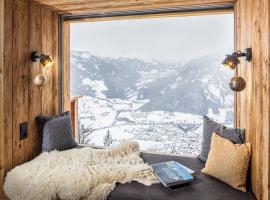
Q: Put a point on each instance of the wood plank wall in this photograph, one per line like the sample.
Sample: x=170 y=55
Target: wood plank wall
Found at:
x=27 y=27
x=2 y=170
x=66 y=67
x=253 y=108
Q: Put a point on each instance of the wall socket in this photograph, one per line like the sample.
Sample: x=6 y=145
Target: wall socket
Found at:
x=23 y=130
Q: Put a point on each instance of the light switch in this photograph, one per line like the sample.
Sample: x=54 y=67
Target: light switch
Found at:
x=23 y=130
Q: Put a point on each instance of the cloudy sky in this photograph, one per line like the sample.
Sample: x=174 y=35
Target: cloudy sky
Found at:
x=170 y=39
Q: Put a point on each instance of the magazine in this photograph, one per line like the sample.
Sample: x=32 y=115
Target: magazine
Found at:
x=172 y=173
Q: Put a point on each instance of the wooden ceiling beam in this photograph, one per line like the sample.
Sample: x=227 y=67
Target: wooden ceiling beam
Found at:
x=88 y=6
x=94 y=2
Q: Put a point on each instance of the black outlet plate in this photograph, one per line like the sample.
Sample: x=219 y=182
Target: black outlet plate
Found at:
x=23 y=130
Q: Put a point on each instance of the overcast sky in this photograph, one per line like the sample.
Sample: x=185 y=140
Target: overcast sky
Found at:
x=170 y=39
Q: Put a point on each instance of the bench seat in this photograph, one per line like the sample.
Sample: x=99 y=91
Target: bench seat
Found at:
x=203 y=188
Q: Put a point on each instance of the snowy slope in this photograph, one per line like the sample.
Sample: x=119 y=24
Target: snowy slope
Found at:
x=159 y=105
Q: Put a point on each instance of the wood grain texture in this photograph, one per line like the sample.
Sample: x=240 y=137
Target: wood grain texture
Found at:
x=95 y=2
x=31 y=32
x=2 y=143
x=47 y=71
x=20 y=78
x=66 y=67
x=35 y=93
x=90 y=6
x=253 y=108
x=55 y=70
x=24 y=31
x=20 y=101
x=8 y=85
x=74 y=116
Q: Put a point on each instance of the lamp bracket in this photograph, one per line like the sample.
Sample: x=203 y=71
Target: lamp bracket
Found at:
x=247 y=53
x=36 y=56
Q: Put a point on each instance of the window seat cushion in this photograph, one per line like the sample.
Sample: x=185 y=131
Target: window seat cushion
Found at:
x=204 y=187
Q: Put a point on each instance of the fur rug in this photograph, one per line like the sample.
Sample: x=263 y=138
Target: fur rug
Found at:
x=78 y=174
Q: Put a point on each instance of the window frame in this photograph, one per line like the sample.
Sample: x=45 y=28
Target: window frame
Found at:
x=64 y=35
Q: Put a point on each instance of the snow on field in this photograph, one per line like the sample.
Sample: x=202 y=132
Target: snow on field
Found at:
x=106 y=122
x=152 y=138
x=95 y=112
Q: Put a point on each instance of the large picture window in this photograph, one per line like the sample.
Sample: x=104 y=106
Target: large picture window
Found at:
x=151 y=80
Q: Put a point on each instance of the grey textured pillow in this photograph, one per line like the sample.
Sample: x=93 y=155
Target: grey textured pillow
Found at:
x=235 y=135
x=56 y=132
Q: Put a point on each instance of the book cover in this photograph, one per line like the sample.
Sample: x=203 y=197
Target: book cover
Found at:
x=172 y=173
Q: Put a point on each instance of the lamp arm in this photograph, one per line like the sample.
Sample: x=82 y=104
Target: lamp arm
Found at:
x=36 y=56
x=247 y=54
x=241 y=54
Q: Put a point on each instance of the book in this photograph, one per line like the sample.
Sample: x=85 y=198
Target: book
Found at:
x=172 y=173
x=192 y=172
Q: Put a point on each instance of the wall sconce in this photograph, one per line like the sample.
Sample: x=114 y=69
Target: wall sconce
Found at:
x=232 y=60
x=39 y=80
x=237 y=84
x=45 y=60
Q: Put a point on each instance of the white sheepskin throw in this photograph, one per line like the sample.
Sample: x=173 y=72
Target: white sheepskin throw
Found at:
x=78 y=174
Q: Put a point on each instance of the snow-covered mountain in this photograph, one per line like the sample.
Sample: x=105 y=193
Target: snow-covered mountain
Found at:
x=159 y=105
x=198 y=87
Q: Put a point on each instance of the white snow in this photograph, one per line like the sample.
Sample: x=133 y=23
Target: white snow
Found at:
x=215 y=90
x=97 y=86
x=159 y=131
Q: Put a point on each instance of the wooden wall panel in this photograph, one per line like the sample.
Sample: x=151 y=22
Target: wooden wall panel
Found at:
x=66 y=67
x=26 y=27
x=253 y=108
x=47 y=49
x=55 y=70
x=90 y=6
x=2 y=168
x=8 y=84
x=20 y=78
x=6 y=108
x=35 y=93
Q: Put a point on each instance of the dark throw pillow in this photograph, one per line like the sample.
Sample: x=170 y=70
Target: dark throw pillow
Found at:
x=56 y=132
x=235 y=135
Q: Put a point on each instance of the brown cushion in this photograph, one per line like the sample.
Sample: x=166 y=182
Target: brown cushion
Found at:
x=228 y=162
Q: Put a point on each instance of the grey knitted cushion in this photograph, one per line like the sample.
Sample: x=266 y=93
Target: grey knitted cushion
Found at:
x=235 y=135
x=56 y=132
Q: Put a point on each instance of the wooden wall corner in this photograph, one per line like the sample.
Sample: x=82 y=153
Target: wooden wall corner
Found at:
x=22 y=31
x=253 y=104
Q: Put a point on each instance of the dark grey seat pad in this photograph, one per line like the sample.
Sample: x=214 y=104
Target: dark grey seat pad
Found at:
x=203 y=188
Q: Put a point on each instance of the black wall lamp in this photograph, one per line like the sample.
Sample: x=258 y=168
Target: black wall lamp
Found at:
x=231 y=61
x=45 y=60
